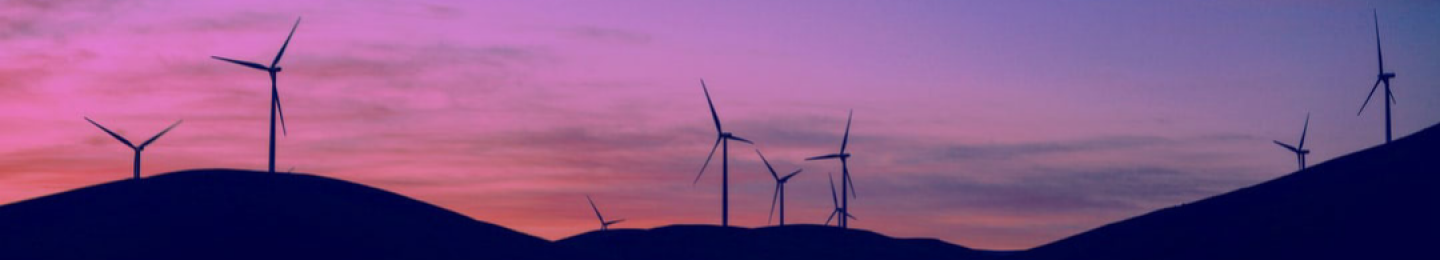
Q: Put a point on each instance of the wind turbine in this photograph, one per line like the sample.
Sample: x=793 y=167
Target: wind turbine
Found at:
x=1383 y=77
x=846 y=186
x=779 y=188
x=1299 y=150
x=127 y=142
x=722 y=141
x=838 y=209
x=604 y=225
x=274 y=90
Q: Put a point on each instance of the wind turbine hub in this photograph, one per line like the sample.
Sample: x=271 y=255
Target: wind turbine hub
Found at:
x=1387 y=75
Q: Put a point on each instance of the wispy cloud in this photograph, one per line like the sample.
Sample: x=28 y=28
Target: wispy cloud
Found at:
x=608 y=35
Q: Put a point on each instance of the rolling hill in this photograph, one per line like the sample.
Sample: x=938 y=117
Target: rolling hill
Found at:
x=1380 y=203
x=231 y=214
x=788 y=242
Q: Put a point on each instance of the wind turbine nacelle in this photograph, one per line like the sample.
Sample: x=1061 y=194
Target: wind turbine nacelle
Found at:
x=1387 y=75
x=276 y=69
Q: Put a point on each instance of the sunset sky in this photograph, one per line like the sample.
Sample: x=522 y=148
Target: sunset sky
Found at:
x=989 y=124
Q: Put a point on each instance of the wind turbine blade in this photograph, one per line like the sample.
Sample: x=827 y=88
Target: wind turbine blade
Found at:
x=767 y=165
x=1287 y=147
x=1367 y=97
x=243 y=63
x=1303 y=131
x=275 y=94
x=281 y=110
x=852 y=186
x=614 y=221
x=737 y=138
x=287 y=43
x=707 y=161
x=823 y=157
x=112 y=133
x=833 y=198
x=597 y=209
x=157 y=136
x=846 y=139
x=787 y=177
x=1378 y=54
x=713 y=115
x=1390 y=93
x=831 y=217
x=851 y=216
x=773 y=198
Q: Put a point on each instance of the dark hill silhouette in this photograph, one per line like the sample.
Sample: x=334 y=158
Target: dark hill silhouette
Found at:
x=1380 y=203
x=231 y=214
x=698 y=242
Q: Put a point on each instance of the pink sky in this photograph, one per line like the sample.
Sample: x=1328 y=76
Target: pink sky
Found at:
x=990 y=125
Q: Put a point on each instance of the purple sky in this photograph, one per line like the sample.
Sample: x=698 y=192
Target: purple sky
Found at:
x=998 y=125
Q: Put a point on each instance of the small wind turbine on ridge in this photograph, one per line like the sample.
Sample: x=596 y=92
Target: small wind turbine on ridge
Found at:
x=604 y=225
x=1299 y=150
x=779 y=188
x=137 y=148
x=839 y=210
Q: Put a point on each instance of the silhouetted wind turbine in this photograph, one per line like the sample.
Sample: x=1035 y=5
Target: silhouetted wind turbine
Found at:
x=1384 y=77
x=839 y=210
x=1299 y=150
x=138 y=148
x=722 y=142
x=846 y=186
x=274 y=90
x=779 y=188
x=604 y=225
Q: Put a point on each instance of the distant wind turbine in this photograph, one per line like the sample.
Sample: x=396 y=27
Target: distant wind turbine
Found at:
x=1299 y=150
x=138 y=148
x=847 y=187
x=839 y=210
x=1384 y=77
x=604 y=225
x=275 y=107
x=779 y=188
x=722 y=142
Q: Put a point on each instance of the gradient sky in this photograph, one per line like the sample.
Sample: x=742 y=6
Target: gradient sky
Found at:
x=990 y=124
